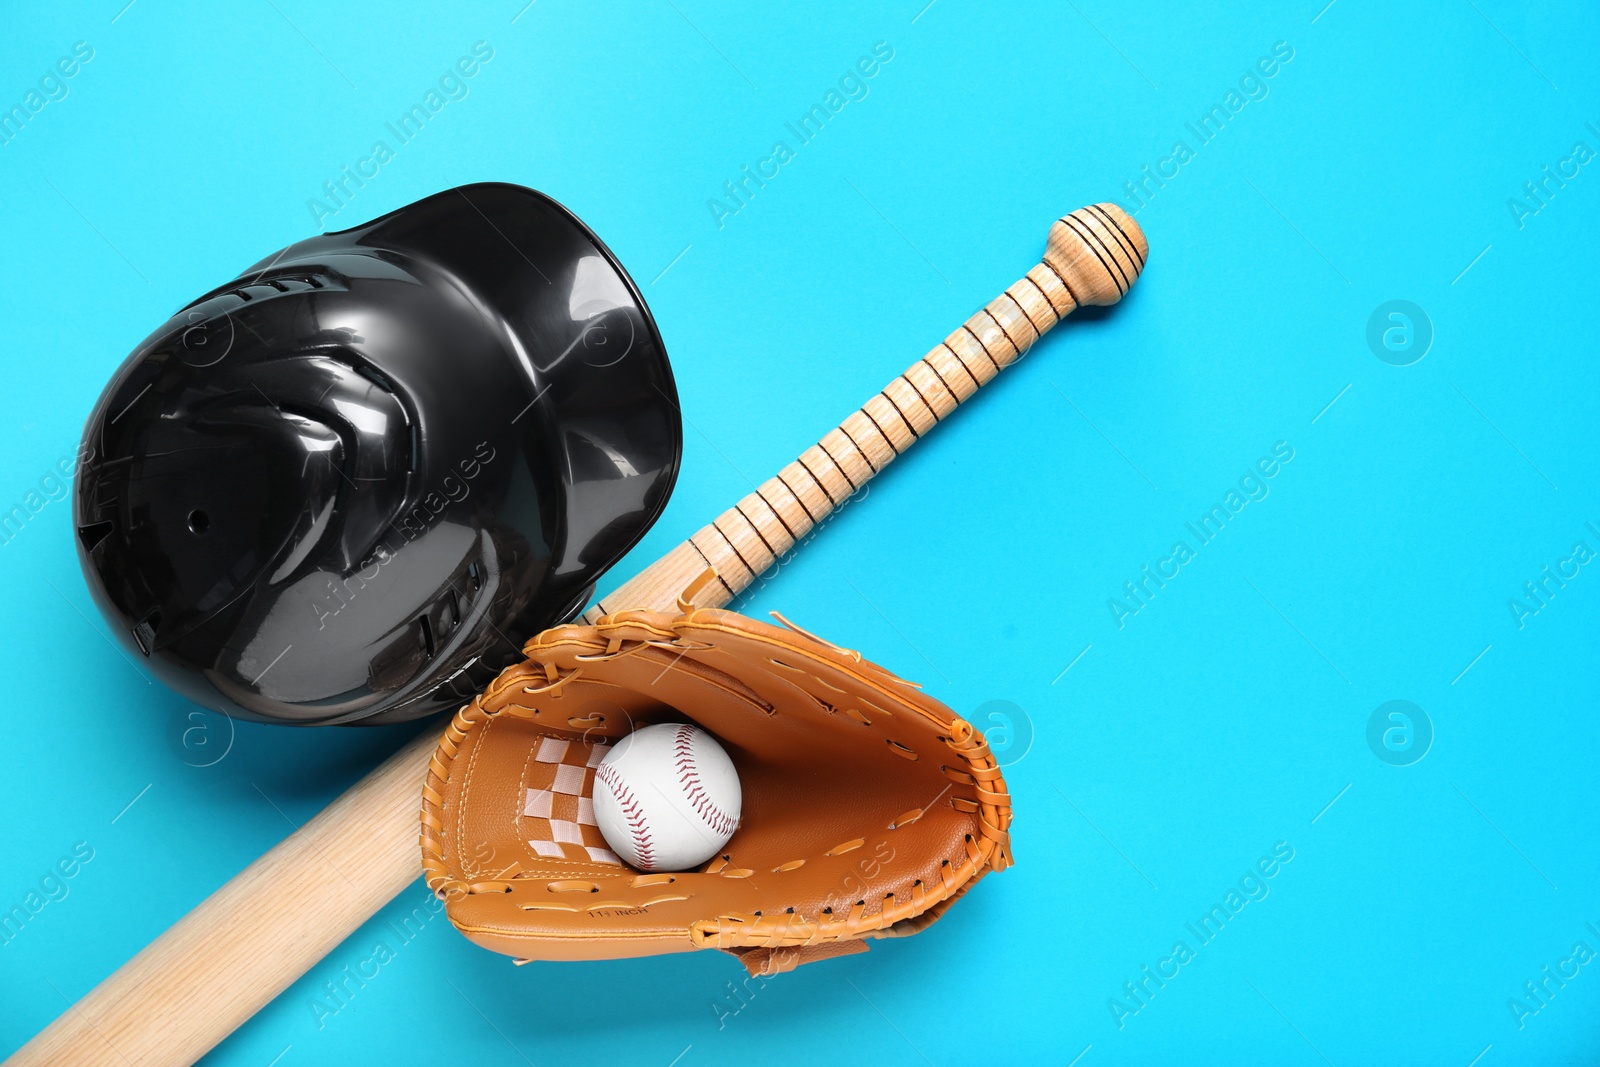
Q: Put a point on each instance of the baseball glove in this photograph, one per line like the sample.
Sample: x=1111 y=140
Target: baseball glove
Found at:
x=868 y=806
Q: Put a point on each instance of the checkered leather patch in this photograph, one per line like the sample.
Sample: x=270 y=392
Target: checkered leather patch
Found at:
x=558 y=802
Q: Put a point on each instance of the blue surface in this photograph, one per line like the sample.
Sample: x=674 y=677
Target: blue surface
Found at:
x=1155 y=763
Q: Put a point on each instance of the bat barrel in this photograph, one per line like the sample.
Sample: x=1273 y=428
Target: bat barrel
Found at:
x=247 y=942
x=1093 y=256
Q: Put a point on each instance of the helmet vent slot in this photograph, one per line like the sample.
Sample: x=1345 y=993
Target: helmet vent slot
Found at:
x=145 y=632
x=92 y=534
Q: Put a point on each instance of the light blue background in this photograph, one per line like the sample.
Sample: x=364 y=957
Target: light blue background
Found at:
x=1224 y=717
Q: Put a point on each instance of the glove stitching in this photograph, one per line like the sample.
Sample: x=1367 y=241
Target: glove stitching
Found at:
x=466 y=781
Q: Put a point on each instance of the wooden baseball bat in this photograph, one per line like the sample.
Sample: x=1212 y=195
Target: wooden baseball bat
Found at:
x=251 y=939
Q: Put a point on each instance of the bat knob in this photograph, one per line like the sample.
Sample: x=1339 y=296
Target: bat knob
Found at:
x=1098 y=252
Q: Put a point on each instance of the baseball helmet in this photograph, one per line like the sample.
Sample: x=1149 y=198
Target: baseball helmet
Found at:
x=348 y=485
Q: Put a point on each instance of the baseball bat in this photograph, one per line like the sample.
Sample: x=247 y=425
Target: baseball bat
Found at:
x=248 y=941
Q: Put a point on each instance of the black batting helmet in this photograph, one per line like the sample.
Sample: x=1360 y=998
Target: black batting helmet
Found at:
x=349 y=484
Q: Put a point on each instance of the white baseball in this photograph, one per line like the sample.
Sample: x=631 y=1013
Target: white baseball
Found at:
x=666 y=797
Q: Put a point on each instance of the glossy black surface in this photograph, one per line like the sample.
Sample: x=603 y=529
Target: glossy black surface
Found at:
x=349 y=484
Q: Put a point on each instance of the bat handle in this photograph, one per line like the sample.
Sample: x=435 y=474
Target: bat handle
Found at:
x=1093 y=257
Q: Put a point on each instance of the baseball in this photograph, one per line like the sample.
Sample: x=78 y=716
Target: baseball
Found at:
x=666 y=797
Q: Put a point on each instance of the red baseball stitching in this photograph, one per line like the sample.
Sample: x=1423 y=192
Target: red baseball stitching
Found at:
x=643 y=850
x=689 y=777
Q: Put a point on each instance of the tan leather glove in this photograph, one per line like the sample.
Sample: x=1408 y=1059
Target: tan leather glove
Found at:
x=868 y=807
